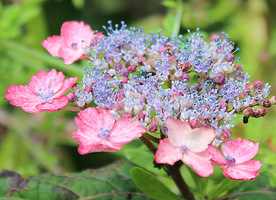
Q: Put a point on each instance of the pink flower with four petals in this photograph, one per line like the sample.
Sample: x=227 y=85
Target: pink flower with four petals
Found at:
x=237 y=163
x=97 y=131
x=186 y=144
x=75 y=37
x=45 y=92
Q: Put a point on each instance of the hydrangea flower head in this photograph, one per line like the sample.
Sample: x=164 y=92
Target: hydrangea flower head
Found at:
x=236 y=162
x=97 y=131
x=45 y=92
x=70 y=45
x=186 y=144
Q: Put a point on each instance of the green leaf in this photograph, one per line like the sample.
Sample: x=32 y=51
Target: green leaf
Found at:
x=169 y=23
x=257 y=189
x=78 y=3
x=151 y=186
x=169 y=3
x=111 y=182
x=144 y=159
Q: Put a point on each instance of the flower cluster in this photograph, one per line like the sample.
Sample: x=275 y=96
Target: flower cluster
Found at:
x=184 y=91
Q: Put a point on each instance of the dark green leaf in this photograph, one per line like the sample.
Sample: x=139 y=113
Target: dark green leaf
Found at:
x=108 y=183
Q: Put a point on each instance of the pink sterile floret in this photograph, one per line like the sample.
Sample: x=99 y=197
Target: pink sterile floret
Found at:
x=45 y=92
x=75 y=37
x=237 y=163
x=186 y=144
x=97 y=131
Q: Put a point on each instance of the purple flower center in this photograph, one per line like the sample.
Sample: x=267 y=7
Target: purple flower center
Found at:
x=104 y=134
x=74 y=45
x=45 y=95
x=184 y=147
x=230 y=160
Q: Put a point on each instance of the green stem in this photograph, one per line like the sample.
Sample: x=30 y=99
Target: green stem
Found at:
x=177 y=21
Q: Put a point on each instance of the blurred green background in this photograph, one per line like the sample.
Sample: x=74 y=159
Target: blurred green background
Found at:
x=32 y=144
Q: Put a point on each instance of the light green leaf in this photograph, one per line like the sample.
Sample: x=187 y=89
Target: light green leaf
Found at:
x=144 y=159
x=151 y=186
x=78 y=3
x=169 y=3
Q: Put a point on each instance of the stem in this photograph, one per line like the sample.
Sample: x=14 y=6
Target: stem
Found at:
x=148 y=144
x=178 y=17
x=71 y=108
x=174 y=172
x=151 y=138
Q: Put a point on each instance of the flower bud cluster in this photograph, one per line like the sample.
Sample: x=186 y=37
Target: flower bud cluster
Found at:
x=151 y=77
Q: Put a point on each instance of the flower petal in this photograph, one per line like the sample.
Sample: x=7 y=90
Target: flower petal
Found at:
x=199 y=138
x=199 y=162
x=51 y=80
x=217 y=157
x=23 y=97
x=76 y=32
x=56 y=105
x=243 y=172
x=67 y=84
x=241 y=150
x=177 y=131
x=126 y=130
x=70 y=55
x=166 y=153
x=92 y=143
x=52 y=44
x=93 y=120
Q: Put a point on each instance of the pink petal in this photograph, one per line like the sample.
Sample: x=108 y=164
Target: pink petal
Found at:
x=52 y=44
x=76 y=32
x=166 y=153
x=126 y=130
x=199 y=138
x=199 y=162
x=241 y=150
x=92 y=120
x=67 y=84
x=177 y=131
x=217 y=157
x=56 y=105
x=70 y=55
x=243 y=172
x=23 y=97
x=92 y=143
x=51 y=80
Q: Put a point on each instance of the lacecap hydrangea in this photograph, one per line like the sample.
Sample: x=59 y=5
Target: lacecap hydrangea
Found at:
x=150 y=77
